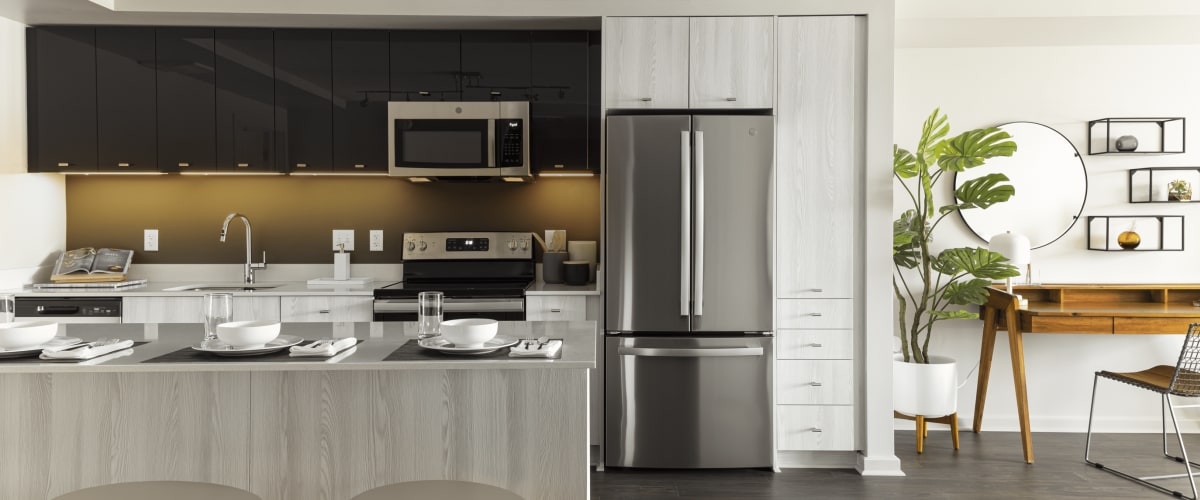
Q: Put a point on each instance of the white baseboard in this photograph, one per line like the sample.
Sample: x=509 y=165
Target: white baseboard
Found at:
x=1009 y=423
x=879 y=466
x=817 y=459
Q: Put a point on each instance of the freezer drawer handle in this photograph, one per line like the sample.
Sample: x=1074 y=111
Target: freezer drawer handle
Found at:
x=690 y=353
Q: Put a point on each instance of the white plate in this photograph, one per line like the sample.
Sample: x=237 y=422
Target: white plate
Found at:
x=442 y=345
x=222 y=349
x=30 y=351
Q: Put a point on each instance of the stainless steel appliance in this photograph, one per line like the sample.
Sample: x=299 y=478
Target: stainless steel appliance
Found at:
x=481 y=275
x=688 y=306
x=69 y=309
x=458 y=139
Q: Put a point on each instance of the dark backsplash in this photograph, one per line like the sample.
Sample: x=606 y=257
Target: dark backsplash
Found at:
x=293 y=216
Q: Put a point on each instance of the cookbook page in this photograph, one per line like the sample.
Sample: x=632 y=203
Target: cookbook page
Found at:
x=112 y=260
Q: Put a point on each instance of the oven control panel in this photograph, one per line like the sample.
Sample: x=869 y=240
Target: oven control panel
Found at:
x=464 y=245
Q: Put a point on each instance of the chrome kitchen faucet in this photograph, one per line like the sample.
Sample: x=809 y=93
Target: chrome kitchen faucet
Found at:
x=250 y=265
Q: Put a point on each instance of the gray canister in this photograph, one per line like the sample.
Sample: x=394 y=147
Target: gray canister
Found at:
x=575 y=272
x=552 y=266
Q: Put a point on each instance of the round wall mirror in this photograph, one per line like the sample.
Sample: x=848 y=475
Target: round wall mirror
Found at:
x=1050 y=182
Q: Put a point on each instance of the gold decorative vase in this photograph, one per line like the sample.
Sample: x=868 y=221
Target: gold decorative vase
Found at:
x=1129 y=240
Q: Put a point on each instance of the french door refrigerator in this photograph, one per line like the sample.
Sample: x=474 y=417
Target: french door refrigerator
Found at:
x=688 y=302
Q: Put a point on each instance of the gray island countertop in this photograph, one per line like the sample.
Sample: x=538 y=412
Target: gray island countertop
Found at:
x=378 y=340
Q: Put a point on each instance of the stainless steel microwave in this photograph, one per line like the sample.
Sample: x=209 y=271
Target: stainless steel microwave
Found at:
x=458 y=139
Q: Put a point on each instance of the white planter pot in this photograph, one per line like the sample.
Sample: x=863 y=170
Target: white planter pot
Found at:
x=926 y=389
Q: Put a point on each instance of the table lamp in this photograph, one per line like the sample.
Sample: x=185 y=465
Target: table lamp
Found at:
x=1016 y=248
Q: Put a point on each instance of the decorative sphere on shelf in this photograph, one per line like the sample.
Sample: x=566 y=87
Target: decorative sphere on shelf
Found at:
x=1126 y=143
x=1129 y=240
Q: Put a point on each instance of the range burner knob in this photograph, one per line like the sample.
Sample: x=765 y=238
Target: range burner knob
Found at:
x=524 y=245
x=411 y=246
x=424 y=246
x=512 y=245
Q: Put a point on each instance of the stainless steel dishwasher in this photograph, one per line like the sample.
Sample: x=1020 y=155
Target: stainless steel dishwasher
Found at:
x=688 y=402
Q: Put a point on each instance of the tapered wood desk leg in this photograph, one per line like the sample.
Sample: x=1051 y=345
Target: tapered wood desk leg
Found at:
x=1017 y=350
x=988 y=345
x=920 y=434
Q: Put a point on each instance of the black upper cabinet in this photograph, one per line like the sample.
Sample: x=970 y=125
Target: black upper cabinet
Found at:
x=559 y=107
x=245 y=99
x=304 y=100
x=594 y=121
x=495 y=65
x=425 y=65
x=125 y=89
x=186 y=99
x=360 y=95
x=62 y=99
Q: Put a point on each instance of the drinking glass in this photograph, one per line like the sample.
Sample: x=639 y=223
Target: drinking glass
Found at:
x=218 y=308
x=8 y=308
x=429 y=315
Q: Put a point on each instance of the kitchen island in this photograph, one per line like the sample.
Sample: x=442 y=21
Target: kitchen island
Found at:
x=292 y=428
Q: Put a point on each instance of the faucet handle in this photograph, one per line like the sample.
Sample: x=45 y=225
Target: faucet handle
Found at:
x=260 y=265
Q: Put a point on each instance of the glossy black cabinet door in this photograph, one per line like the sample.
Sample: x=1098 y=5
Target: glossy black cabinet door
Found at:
x=559 y=109
x=62 y=99
x=303 y=100
x=245 y=99
x=425 y=65
x=186 y=99
x=125 y=90
x=495 y=65
x=594 y=122
x=360 y=95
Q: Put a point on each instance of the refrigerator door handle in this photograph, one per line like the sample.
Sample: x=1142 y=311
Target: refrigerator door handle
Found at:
x=699 y=298
x=685 y=226
x=690 y=353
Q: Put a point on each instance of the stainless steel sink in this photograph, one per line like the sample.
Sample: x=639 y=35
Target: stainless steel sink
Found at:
x=219 y=288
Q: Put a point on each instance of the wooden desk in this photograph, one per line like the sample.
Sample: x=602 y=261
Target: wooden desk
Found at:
x=1075 y=309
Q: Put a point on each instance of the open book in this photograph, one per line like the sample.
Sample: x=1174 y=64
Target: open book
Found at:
x=90 y=265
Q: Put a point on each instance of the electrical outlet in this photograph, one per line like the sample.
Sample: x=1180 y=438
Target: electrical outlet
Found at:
x=343 y=237
x=150 y=240
x=376 y=240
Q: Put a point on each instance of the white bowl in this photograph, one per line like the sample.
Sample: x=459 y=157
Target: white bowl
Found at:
x=469 y=332
x=248 y=334
x=26 y=334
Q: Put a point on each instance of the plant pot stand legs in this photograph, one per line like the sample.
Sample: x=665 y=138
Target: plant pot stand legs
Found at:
x=923 y=427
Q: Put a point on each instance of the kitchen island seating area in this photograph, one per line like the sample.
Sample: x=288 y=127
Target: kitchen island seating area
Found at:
x=291 y=428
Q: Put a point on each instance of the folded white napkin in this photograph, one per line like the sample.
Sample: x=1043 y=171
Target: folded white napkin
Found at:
x=323 y=348
x=530 y=349
x=89 y=352
x=54 y=344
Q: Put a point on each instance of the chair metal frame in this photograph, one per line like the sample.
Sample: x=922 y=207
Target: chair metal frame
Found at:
x=1184 y=383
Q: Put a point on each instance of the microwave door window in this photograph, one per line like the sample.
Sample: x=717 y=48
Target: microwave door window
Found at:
x=441 y=143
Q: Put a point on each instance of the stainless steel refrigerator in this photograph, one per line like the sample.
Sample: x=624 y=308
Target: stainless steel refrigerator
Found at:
x=688 y=303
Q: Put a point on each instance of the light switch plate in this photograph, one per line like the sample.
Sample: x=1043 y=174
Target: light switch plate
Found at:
x=150 y=240
x=376 y=240
x=343 y=236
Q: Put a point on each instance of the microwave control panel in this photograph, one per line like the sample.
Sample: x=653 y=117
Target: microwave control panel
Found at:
x=510 y=133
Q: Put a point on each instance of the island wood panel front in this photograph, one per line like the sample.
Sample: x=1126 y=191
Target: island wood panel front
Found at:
x=65 y=432
x=333 y=435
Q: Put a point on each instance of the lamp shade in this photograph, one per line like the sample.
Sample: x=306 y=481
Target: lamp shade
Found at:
x=1011 y=245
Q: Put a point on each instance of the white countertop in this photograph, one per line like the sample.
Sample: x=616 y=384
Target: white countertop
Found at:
x=379 y=340
x=162 y=289
x=542 y=288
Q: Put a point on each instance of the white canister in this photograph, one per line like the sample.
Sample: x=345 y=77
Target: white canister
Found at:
x=585 y=251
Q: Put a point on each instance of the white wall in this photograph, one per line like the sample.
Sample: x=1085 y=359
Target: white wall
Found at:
x=981 y=75
x=33 y=219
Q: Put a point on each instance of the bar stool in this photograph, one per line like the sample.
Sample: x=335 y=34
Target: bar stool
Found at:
x=424 y=490
x=1181 y=380
x=159 y=490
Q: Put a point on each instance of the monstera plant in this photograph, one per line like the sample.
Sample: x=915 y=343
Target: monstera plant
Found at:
x=930 y=285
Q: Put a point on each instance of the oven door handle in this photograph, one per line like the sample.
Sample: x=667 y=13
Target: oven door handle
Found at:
x=452 y=305
x=657 y=352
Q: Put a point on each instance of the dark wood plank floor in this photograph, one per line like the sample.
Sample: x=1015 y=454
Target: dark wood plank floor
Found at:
x=987 y=466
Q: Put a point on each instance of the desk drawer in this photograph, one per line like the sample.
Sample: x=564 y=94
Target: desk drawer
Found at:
x=1153 y=325
x=1071 y=324
x=814 y=344
x=815 y=313
x=815 y=427
x=821 y=382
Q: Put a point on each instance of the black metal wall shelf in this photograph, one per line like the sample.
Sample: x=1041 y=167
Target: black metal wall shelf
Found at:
x=1143 y=181
x=1102 y=135
x=1165 y=235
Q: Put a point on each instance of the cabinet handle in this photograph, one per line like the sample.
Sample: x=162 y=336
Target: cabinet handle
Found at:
x=324 y=311
x=243 y=165
x=423 y=93
x=811 y=314
x=555 y=310
x=815 y=383
x=814 y=344
x=359 y=165
x=185 y=164
x=815 y=429
x=494 y=92
x=301 y=165
x=122 y=164
x=817 y=290
x=63 y=164
x=730 y=99
x=646 y=99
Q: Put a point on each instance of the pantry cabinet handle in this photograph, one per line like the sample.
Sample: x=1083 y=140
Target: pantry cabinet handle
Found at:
x=730 y=99
x=816 y=290
x=556 y=310
x=811 y=314
x=646 y=99
x=815 y=383
x=815 y=429
x=814 y=344
x=324 y=311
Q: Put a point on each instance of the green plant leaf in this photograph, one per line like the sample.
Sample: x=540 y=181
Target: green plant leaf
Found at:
x=954 y=314
x=906 y=251
x=933 y=131
x=983 y=192
x=973 y=147
x=978 y=262
x=904 y=164
x=966 y=292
